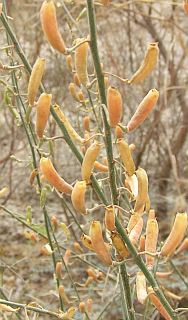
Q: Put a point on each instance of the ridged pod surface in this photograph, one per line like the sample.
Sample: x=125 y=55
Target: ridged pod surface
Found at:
x=148 y=64
x=78 y=197
x=50 y=26
x=35 y=79
x=114 y=103
x=42 y=113
x=52 y=176
x=143 y=110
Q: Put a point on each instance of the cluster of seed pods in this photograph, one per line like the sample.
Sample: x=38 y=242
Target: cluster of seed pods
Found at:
x=136 y=179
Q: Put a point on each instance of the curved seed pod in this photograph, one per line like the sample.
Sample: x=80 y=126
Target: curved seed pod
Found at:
x=114 y=103
x=89 y=160
x=142 y=196
x=141 y=287
x=53 y=177
x=143 y=110
x=78 y=197
x=98 y=243
x=119 y=244
x=156 y=302
x=35 y=79
x=183 y=246
x=63 y=294
x=81 y=61
x=163 y=275
x=185 y=6
x=152 y=231
x=126 y=156
x=136 y=232
x=86 y=241
x=176 y=235
x=100 y=167
x=149 y=63
x=110 y=218
x=67 y=256
x=43 y=111
x=77 y=247
x=73 y=134
x=118 y=132
x=50 y=27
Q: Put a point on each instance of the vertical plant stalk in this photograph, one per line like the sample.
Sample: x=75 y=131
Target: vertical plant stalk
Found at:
x=138 y=260
x=126 y=298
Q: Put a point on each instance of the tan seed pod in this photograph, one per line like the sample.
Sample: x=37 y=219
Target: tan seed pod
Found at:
x=63 y=295
x=147 y=66
x=78 y=197
x=185 y=6
x=98 y=243
x=86 y=123
x=156 y=302
x=89 y=160
x=119 y=244
x=72 y=90
x=81 y=61
x=32 y=176
x=142 y=196
x=141 y=287
x=81 y=96
x=100 y=167
x=90 y=305
x=42 y=113
x=67 y=256
x=58 y=269
x=183 y=246
x=76 y=80
x=118 y=132
x=115 y=105
x=134 y=218
x=163 y=275
x=176 y=235
x=50 y=27
x=143 y=110
x=52 y=176
x=77 y=247
x=110 y=218
x=86 y=241
x=69 y=62
x=152 y=231
x=82 y=307
x=73 y=134
x=126 y=156
x=142 y=243
x=136 y=232
x=35 y=80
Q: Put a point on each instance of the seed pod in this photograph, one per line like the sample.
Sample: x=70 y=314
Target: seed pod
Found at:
x=98 y=243
x=132 y=182
x=89 y=305
x=89 y=160
x=35 y=79
x=141 y=287
x=119 y=244
x=147 y=66
x=176 y=235
x=81 y=96
x=69 y=62
x=86 y=123
x=58 y=269
x=114 y=103
x=183 y=246
x=4 y=192
x=32 y=177
x=152 y=232
x=53 y=177
x=163 y=275
x=63 y=294
x=136 y=232
x=100 y=167
x=118 y=132
x=43 y=111
x=78 y=197
x=76 y=80
x=126 y=156
x=134 y=218
x=156 y=302
x=143 y=110
x=77 y=247
x=142 y=190
x=72 y=133
x=73 y=92
x=67 y=256
x=185 y=6
x=50 y=27
x=82 y=307
x=132 y=147
x=81 y=61
x=86 y=241
x=110 y=218
x=142 y=243
x=91 y=273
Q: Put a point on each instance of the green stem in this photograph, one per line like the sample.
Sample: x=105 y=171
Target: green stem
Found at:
x=125 y=281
